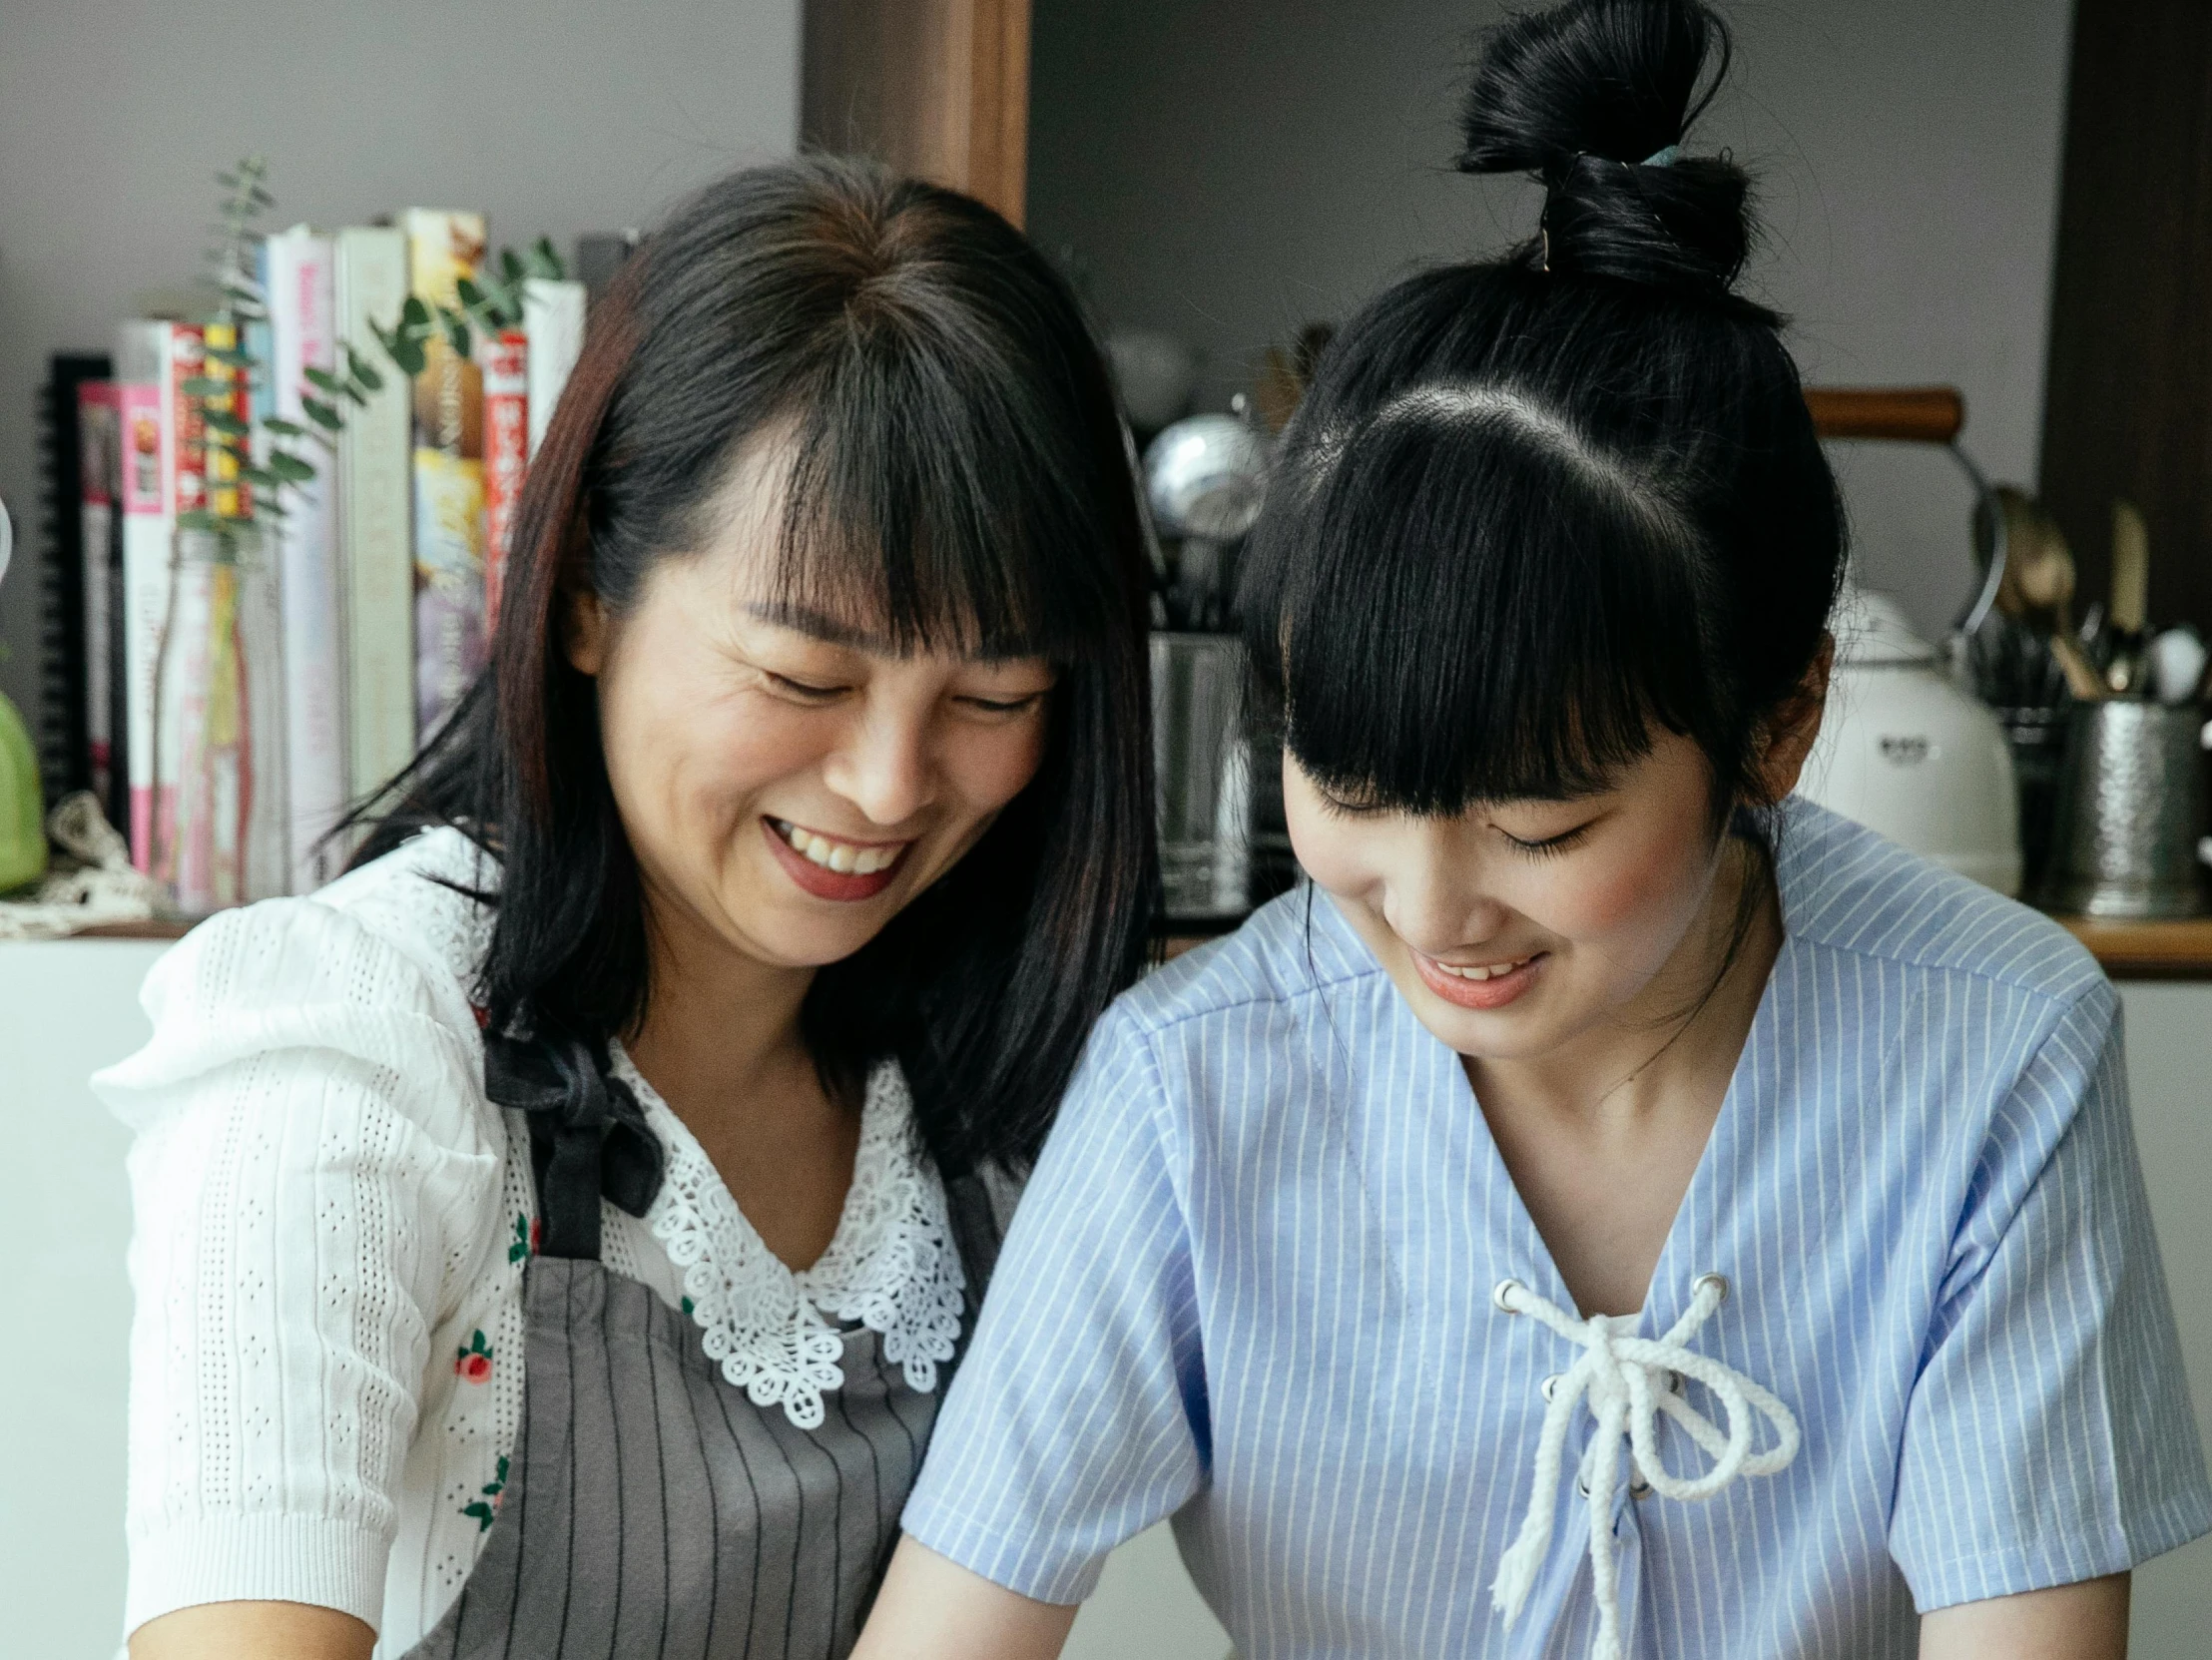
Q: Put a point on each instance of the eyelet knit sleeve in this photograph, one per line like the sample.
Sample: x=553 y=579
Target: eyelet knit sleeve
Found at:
x=315 y=1176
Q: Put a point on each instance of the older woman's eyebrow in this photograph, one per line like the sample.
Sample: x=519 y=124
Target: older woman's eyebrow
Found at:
x=820 y=624
x=835 y=631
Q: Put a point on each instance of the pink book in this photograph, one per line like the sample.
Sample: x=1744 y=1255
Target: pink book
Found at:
x=506 y=363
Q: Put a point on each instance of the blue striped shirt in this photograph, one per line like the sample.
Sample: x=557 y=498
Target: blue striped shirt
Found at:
x=1251 y=1287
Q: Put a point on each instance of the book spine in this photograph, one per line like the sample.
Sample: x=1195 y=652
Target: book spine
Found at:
x=303 y=336
x=506 y=455
x=142 y=558
x=99 y=435
x=553 y=323
x=375 y=558
x=161 y=476
x=442 y=247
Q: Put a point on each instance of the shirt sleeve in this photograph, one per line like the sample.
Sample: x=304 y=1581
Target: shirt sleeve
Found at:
x=307 y=1182
x=2049 y=1437
x=1078 y=1417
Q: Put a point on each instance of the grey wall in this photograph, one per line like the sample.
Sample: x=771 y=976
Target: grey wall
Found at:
x=555 y=116
x=1228 y=169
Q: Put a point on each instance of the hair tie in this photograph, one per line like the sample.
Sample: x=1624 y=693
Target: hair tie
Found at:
x=1663 y=157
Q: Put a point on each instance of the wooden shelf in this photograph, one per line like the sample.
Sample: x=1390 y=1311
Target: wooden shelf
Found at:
x=2174 y=950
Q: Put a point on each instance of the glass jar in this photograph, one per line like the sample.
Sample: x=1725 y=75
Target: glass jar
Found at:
x=221 y=839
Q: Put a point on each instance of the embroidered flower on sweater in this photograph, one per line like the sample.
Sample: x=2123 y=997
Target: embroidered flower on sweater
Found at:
x=473 y=1364
x=483 y=1511
x=529 y=1231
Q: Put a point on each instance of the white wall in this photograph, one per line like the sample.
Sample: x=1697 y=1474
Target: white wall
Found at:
x=1230 y=168
x=555 y=116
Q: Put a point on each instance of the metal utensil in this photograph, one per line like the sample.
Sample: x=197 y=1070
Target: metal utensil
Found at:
x=2131 y=811
x=1202 y=766
x=1203 y=477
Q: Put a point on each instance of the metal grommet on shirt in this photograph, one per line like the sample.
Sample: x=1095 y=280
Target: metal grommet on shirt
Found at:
x=1583 y=1486
x=1719 y=1279
x=1498 y=1291
x=1549 y=1387
x=1638 y=1487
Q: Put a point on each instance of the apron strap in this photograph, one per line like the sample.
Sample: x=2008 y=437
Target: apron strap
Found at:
x=589 y=1139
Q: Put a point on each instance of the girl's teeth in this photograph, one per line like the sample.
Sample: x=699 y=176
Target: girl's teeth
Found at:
x=840 y=859
x=1487 y=971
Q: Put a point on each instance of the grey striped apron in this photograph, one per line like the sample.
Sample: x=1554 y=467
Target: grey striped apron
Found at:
x=651 y=1509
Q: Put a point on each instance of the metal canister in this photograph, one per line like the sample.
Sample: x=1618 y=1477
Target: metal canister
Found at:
x=2131 y=811
x=1203 y=769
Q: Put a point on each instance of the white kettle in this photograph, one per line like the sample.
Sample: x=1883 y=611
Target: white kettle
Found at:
x=1908 y=755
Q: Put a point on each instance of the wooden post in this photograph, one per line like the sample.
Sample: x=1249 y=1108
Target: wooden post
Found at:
x=936 y=88
x=2127 y=407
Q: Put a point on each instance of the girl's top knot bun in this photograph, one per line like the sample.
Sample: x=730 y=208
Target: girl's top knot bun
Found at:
x=1594 y=97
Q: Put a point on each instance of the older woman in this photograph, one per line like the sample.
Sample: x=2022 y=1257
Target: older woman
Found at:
x=553 y=1236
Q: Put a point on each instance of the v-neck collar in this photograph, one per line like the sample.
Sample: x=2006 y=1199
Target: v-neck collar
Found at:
x=1693 y=1243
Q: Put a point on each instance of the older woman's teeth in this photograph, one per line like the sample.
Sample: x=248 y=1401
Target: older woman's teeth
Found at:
x=841 y=856
x=1481 y=971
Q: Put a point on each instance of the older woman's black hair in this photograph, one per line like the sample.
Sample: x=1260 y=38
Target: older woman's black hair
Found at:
x=1534 y=506
x=955 y=478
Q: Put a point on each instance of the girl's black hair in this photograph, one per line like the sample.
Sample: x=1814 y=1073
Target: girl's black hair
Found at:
x=1533 y=505
x=955 y=478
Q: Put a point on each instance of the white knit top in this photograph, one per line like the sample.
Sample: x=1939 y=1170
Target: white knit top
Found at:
x=332 y=1226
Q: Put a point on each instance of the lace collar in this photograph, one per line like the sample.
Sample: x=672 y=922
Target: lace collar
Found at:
x=893 y=1265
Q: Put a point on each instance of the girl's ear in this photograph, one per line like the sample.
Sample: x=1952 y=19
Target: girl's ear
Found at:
x=584 y=629
x=1788 y=732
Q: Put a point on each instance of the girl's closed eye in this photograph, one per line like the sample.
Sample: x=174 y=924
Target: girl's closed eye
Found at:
x=1550 y=846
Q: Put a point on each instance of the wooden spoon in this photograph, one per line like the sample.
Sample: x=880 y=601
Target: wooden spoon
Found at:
x=2038 y=586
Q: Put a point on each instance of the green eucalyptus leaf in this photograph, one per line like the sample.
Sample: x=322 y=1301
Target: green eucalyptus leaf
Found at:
x=292 y=469
x=200 y=385
x=282 y=428
x=324 y=381
x=322 y=413
x=456 y=332
x=471 y=294
x=544 y=262
x=218 y=420
x=413 y=315
x=236 y=358
x=196 y=518
x=359 y=369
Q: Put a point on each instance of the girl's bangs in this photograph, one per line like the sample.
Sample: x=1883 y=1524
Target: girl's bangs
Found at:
x=1463 y=625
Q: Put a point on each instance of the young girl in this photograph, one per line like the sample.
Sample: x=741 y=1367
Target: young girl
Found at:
x=1617 y=1209
x=544 y=1240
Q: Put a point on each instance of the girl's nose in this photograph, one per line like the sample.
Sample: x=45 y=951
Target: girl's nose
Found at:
x=1435 y=901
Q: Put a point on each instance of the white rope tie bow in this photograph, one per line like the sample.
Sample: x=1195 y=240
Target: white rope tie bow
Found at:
x=1629 y=1380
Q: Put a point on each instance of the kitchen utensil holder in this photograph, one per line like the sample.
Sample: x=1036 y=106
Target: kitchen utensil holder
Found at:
x=2130 y=813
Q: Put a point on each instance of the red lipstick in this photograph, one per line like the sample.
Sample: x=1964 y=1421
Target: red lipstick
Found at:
x=823 y=882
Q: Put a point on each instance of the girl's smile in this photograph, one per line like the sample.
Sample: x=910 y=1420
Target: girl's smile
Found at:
x=1485 y=986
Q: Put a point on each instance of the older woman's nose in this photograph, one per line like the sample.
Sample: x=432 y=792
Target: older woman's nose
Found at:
x=883 y=765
